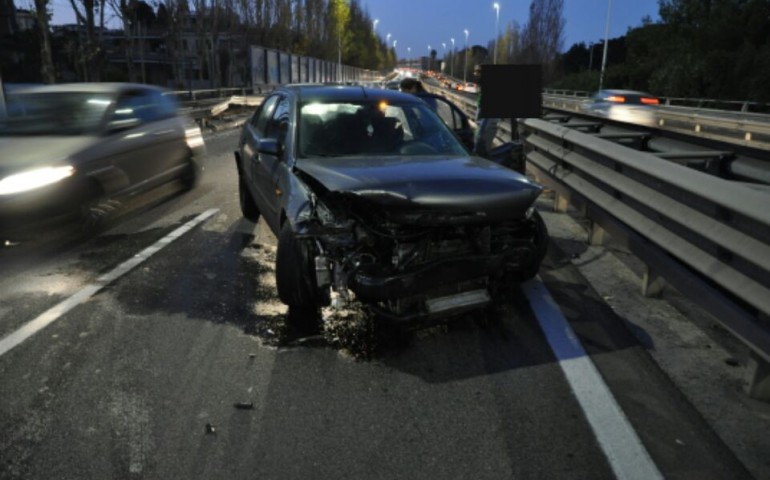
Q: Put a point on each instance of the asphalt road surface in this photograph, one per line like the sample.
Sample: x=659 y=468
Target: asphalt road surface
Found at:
x=158 y=350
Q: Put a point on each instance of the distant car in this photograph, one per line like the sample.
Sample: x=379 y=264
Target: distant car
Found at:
x=470 y=87
x=626 y=106
x=70 y=150
x=376 y=204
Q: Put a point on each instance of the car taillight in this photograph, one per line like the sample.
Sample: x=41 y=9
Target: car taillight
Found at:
x=650 y=101
x=193 y=137
x=616 y=99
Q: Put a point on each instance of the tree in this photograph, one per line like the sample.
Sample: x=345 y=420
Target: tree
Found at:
x=46 y=58
x=89 y=52
x=543 y=35
x=339 y=13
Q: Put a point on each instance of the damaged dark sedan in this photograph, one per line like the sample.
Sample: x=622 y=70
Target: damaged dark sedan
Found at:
x=377 y=204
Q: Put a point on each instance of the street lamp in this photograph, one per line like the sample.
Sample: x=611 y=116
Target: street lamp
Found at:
x=395 y=55
x=497 y=29
x=374 y=23
x=409 y=57
x=387 y=39
x=430 y=60
x=443 y=44
x=606 y=39
x=452 y=66
x=465 y=66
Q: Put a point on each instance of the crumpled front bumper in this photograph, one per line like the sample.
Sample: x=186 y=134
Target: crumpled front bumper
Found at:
x=372 y=286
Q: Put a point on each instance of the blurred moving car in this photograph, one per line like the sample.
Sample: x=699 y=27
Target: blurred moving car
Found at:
x=377 y=206
x=626 y=106
x=76 y=150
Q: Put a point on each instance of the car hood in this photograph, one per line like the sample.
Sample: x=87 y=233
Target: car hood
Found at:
x=23 y=152
x=465 y=185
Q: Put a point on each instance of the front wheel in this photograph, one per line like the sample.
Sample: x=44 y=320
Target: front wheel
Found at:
x=540 y=247
x=295 y=280
x=294 y=277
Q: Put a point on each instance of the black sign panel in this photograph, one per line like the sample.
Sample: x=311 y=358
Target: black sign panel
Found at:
x=511 y=91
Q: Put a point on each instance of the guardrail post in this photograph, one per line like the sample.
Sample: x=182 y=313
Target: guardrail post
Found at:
x=596 y=235
x=560 y=203
x=652 y=283
x=758 y=377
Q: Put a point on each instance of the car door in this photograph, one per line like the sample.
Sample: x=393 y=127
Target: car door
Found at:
x=455 y=119
x=143 y=146
x=253 y=132
x=266 y=166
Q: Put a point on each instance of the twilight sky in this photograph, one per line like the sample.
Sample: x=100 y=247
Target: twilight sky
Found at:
x=419 y=23
x=415 y=24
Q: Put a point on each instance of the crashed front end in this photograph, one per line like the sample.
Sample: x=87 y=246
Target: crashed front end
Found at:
x=414 y=263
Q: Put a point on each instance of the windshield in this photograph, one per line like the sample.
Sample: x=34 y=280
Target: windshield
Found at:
x=351 y=129
x=54 y=113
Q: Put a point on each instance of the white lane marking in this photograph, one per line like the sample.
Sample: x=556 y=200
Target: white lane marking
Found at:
x=621 y=445
x=55 y=312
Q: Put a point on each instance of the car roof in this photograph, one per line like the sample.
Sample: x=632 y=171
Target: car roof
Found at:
x=106 y=87
x=347 y=93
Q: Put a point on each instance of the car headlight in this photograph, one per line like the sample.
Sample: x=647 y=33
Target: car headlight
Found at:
x=32 y=179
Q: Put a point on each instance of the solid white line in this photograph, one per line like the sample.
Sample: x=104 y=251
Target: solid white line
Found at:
x=55 y=312
x=621 y=445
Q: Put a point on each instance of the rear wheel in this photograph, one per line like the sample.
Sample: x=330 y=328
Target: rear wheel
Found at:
x=192 y=176
x=249 y=208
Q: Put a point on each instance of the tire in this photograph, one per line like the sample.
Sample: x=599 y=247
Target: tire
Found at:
x=540 y=240
x=294 y=272
x=192 y=176
x=94 y=210
x=249 y=208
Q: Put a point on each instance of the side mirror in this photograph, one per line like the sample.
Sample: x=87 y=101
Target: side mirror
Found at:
x=270 y=146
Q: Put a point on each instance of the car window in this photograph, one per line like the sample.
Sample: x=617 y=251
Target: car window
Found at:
x=354 y=129
x=278 y=126
x=449 y=114
x=168 y=107
x=142 y=106
x=54 y=113
x=261 y=116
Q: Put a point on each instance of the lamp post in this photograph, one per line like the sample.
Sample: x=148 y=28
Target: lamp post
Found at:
x=443 y=44
x=430 y=59
x=395 y=55
x=409 y=57
x=606 y=40
x=387 y=39
x=374 y=24
x=465 y=66
x=497 y=30
x=452 y=65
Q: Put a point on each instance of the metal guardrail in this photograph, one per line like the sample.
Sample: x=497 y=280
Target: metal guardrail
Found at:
x=706 y=236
